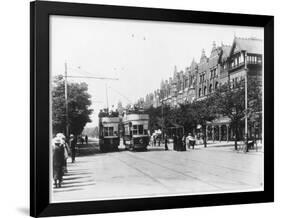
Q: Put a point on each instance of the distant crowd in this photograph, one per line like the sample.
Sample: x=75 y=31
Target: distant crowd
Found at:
x=180 y=142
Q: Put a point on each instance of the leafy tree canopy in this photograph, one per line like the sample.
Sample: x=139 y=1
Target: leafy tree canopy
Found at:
x=78 y=106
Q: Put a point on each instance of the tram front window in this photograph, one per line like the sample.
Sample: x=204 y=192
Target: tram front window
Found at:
x=138 y=130
x=108 y=131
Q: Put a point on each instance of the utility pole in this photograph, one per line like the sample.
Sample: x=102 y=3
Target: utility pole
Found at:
x=246 y=102
x=106 y=97
x=66 y=93
x=66 y=101
x=162 y=114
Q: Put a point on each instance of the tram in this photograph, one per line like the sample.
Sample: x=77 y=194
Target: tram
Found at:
x=109 y=137
x=135 y=126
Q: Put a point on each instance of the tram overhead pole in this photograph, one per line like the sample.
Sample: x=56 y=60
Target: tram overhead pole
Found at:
x=66 y=92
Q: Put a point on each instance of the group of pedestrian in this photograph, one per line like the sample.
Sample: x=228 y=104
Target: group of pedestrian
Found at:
x=61 y=152
x=82 y=139
x=155 y=140
x=181 y=142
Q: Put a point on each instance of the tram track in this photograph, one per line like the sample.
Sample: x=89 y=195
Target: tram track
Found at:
x=218 y=166
x=187 y=175
x=134 y=157
x=143 y=172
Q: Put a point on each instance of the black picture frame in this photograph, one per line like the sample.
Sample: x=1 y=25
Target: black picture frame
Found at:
x=39 y=108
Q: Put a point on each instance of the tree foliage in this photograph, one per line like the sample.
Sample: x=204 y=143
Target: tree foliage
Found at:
x=227 y=101
x=230 y=102
x=78 y=106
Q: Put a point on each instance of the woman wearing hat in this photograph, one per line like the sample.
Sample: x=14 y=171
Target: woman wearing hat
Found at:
x=58 y=161
x=66 y=150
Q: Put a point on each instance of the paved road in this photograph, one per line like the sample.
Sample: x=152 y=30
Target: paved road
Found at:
x=159 y=172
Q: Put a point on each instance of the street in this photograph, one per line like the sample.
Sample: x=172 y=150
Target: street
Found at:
x=157 y=172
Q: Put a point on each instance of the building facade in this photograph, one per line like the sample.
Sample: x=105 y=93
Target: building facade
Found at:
x=225 y=64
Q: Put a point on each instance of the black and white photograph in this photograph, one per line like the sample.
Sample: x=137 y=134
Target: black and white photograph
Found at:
x=145 y=109
x=140 y=108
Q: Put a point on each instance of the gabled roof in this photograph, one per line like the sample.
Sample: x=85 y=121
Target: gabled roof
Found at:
x=251 y=45
x=193 y=65
x=214 y=56
x=225 y=52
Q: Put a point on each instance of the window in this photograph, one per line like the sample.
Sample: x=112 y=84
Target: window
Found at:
x=242 y=58
x=216 y=85
x=199 y=92
x=205 y=90
x=236 y=62
x=138 y=130
x=210 y=88
x=108 y=131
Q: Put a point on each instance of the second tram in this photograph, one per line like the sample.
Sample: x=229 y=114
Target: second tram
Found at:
x=135 y=127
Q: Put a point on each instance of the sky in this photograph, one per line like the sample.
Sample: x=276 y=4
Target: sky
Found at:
x=139 y=53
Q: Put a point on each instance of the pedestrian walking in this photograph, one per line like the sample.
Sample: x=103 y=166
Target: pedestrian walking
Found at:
x=58 y=161
x=166 y=142
x=180 y=145
x=187 y=141
x=66 y=150
x=184 y=143
x=86 y=140
x=82 y=140
x=72 y=142
x=175 y=143
x=191 y=141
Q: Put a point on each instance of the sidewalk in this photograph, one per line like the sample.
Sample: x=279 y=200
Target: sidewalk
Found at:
x=216 y=145
x=229 y=146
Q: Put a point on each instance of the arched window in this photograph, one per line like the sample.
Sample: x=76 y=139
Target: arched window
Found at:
x=205 y=90
x=210 y=88
x=216 y=85
x=200 y=92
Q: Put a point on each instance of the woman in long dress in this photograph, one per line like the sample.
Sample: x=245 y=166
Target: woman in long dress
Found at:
x=58 y=161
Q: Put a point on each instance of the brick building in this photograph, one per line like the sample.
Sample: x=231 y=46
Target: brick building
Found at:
x=225 y=64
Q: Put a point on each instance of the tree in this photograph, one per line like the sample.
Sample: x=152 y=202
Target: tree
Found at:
x=254 y=103
x=230 y=102
x=91 y=131
x=187 y=120
x=203 y=111
x=78 y=106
